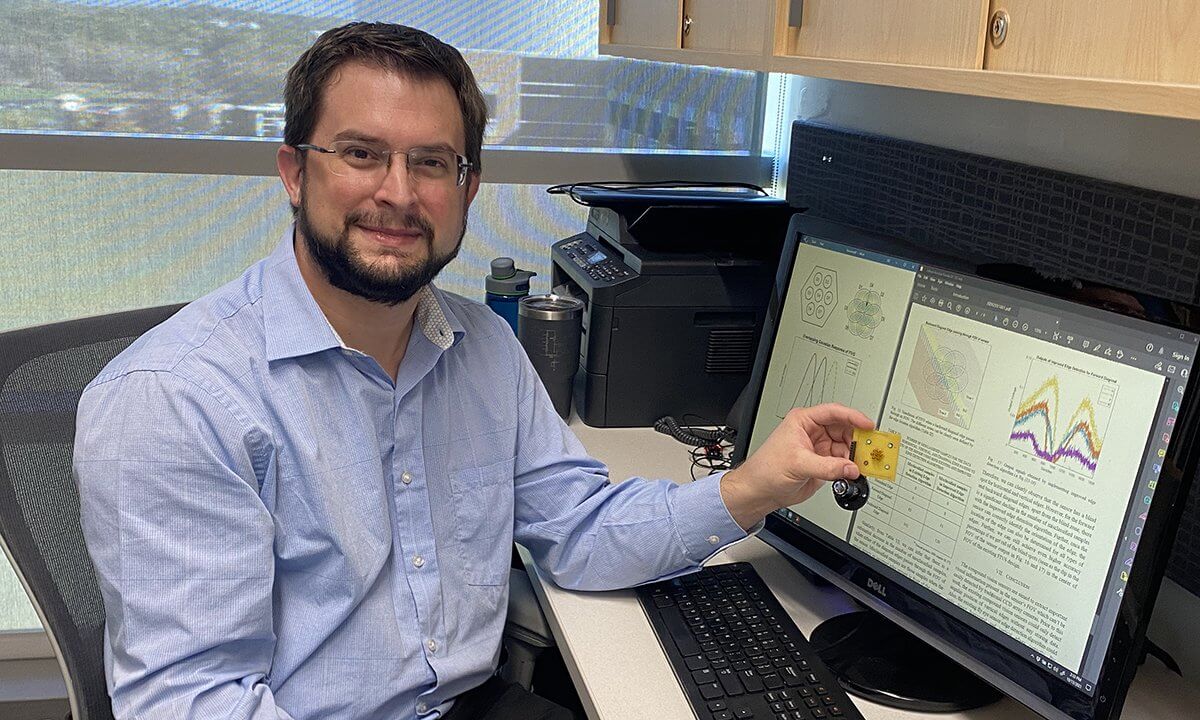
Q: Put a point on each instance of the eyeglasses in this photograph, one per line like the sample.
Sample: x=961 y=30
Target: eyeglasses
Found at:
x=364 y=161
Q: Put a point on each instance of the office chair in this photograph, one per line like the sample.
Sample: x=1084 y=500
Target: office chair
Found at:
x=43 y=371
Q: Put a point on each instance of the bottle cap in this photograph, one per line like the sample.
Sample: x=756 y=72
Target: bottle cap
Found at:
x=506 y=279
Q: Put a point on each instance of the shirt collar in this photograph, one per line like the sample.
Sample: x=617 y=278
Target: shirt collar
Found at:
x=296 y=326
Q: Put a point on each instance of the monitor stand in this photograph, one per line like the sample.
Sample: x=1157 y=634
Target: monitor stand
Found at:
x=876 y=659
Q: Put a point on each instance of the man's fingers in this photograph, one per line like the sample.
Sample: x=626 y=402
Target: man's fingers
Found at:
x=827 y=468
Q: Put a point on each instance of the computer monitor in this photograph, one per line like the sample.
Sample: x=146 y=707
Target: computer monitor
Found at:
x=1048 y=441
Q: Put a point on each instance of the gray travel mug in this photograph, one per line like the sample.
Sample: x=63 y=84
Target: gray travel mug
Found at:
x=548 y=327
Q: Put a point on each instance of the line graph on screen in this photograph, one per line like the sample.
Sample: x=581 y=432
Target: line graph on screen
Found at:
x=1063 y=417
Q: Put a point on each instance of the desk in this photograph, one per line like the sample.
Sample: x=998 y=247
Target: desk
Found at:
x=621 y=672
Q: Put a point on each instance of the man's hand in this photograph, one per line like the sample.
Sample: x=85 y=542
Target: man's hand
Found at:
x=811 y=445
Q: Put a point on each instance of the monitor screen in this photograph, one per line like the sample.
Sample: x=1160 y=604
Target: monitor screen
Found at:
x=1046 y=436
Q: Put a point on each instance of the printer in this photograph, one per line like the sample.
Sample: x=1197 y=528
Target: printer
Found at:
x=675 y=284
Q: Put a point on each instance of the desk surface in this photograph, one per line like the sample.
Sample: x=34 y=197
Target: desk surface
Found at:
x=621 y=672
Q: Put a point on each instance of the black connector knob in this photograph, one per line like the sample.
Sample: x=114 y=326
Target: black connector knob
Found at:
x=851 y=494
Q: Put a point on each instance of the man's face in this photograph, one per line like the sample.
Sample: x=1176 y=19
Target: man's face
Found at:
x=380 y=237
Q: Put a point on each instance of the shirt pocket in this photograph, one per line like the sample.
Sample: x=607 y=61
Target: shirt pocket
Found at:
x=483 y=528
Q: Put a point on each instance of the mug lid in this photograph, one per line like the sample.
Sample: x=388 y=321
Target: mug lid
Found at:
x=550 y=307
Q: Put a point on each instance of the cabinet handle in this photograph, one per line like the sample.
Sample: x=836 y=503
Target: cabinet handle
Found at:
x=612 y=12
x=795 y=13
x=687 y=25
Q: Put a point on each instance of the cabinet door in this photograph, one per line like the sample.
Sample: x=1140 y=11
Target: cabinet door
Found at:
x=641 y=23
x=738 y=26
x=1148 y=40
x=941 y=33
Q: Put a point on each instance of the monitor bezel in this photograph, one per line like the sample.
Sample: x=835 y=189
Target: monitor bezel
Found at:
x=829 y=557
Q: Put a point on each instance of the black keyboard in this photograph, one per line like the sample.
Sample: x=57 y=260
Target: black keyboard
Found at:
x=736 y=652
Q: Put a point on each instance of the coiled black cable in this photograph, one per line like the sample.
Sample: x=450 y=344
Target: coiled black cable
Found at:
x=710 y=448
x=696 y=437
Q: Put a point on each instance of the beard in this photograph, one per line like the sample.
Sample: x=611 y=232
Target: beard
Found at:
x=346 y=269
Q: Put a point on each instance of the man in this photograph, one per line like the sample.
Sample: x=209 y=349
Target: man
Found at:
x=300 y=493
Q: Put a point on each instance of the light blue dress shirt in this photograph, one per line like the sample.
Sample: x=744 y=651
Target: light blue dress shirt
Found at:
x=280 y=531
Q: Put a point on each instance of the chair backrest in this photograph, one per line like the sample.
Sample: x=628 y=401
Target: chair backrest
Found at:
x=43 y=371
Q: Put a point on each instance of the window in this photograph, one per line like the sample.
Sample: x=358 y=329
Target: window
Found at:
x=137 y=142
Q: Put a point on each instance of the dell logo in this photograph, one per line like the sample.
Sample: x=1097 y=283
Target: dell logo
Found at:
x=876 y=587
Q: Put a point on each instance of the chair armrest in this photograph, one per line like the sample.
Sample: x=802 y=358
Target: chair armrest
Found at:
x=525 y=619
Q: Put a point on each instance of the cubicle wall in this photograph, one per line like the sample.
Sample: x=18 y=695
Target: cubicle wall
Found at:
x=981 y=207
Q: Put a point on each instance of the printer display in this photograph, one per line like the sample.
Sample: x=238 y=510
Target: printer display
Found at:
x=675 y=284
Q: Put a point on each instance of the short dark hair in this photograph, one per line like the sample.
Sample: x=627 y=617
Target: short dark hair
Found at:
x=398 y=48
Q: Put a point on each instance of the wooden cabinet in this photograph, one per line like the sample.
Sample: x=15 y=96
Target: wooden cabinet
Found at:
x=733 y=26
x=1139 y=56
x=724 y=33
x=941 y=33
x=653 y=24
x=1154 y=41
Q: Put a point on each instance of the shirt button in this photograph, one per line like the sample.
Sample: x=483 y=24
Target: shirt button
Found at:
x=432 y=645
x=418 y=561
x=713 y=539
x=422 y=708
x=406 y=477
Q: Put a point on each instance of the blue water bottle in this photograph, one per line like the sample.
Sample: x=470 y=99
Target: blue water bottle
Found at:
x=506 y=285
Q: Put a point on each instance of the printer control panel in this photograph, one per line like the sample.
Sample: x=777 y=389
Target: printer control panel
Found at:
x=596 y=261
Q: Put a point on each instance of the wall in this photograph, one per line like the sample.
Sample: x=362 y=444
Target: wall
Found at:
x=1158 y=153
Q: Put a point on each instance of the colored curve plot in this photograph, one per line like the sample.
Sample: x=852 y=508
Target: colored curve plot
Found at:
x=814 y=375
x=1063 y=416
x=864 y=312
x=945 y=375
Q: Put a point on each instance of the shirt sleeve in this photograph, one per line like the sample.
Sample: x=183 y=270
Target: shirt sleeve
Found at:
x=182 y=545
x=590 y=534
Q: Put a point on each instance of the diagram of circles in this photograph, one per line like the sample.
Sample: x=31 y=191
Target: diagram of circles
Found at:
x=946 y=373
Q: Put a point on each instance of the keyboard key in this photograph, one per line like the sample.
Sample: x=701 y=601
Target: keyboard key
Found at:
x=772 y=681
x=716 y=705
x=703 y=677
x=834 y=710
x=730 y=682
x=752 y=682
x=743 y=712
x=791 y=678
x=711 y=691
x=696 y=662
x=722 y=715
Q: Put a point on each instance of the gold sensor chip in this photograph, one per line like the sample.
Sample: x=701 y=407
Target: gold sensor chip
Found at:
x=876 y=453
